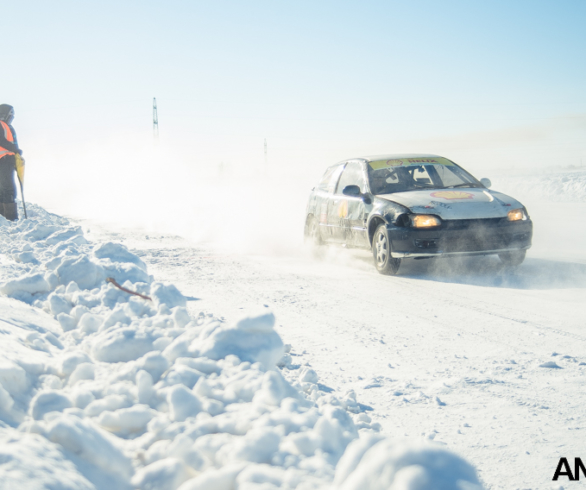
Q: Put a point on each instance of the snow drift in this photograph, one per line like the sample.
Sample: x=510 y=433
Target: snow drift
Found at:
x=100 y=389
x=569 y=186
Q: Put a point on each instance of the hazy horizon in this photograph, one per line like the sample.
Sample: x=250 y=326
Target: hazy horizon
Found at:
x=491 y=86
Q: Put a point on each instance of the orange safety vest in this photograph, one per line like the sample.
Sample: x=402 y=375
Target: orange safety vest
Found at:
x=8 y=136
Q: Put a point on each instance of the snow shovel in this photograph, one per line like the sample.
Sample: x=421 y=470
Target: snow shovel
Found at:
x=20 y=174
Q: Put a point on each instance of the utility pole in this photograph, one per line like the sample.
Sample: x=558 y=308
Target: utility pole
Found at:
x=155 y=120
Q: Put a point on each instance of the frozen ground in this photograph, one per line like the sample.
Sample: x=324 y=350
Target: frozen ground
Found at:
x=484 y=362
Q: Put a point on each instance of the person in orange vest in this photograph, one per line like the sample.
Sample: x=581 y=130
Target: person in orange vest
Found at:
x=8 y=150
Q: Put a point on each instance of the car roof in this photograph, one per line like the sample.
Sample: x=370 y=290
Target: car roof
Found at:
x=391 y=156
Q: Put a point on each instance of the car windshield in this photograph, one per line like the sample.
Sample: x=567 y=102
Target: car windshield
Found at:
x=386 y=177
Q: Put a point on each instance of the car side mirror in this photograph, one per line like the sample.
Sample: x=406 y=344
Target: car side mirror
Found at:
x=354 y=191
x=486 y=182
x=351 y=190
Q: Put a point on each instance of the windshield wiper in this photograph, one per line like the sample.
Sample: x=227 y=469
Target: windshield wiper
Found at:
x=465 y=184
x=426 y=186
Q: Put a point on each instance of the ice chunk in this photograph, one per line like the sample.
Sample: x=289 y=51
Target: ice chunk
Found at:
x=40 y=232
x=35 y=366
x=221 y=479
x=86 y=299
x=110 y=402
x=308 y=375
x=353 y=455
x=125 y=272
x=202 y=364
x=29 y=461
x=550 y=365
x=258 y=446
x=117 y=315
x=388 y=464
x=59 y=304
x=168 y=474
x=153 y=363
x=90 y=323
x=80 y=269
x=32 y=284
x=133 y=419
x=182 y=403
x=26 y=258
x=274 y=389
x=123 y=344
x=90 y=443
x=180 y=346
x=262 y=476
x=71 y=360
x=82 y=398
x=181 y=316
x=183 y=448
x=117 y=252
x=6 y=401
x=136 y=307
x=252 y=339
x=13 y=377
x=85 y=370
x=63 y=235
x=166 y=294
x=144 y=383
x=181 y=374
x=48 y=401
x=335 y=431
x=67 y=322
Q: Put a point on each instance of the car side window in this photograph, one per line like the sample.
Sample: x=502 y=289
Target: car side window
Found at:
x=353 y=175
x=328 y=181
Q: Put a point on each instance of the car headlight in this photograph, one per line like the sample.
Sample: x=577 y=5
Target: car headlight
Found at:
x=425 y=221
x=516 y=215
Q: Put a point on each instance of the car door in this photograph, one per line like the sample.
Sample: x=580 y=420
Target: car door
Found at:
x=326 y=189
x=348 y=214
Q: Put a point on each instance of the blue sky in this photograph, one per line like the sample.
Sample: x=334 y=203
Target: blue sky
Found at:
x=326 y=78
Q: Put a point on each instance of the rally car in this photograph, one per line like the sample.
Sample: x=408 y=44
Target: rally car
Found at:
x=415 y=206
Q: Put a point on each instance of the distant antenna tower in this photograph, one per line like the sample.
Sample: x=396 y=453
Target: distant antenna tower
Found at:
x=155 y=120
x=266 y=156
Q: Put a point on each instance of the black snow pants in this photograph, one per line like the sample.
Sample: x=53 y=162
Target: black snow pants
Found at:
x=7 y=184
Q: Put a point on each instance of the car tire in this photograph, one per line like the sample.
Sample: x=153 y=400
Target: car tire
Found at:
x=381 y=252
x=513 y=259
x=312 y=235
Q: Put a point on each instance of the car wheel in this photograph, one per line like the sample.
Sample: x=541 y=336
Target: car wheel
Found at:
x=513 y=259
x=381 y=251
x=312 y=235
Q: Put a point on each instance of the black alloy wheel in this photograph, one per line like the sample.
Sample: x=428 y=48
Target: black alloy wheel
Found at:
x=381 y=252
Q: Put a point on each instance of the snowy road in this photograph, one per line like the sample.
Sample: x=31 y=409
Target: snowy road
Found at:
x=450 y=351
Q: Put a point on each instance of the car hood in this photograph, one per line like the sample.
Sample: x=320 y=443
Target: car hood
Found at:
x=459 y=203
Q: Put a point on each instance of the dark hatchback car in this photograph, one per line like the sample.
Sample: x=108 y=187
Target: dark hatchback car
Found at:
x=415 y=206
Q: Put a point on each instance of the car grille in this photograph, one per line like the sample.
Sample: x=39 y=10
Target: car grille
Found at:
x=465 y=224
x=482 y=234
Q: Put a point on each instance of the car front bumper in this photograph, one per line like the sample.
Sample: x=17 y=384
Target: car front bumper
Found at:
x=462 y=237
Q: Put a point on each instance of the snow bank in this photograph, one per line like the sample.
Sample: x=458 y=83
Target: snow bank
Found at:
x=101 y=389
x=556 y=187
